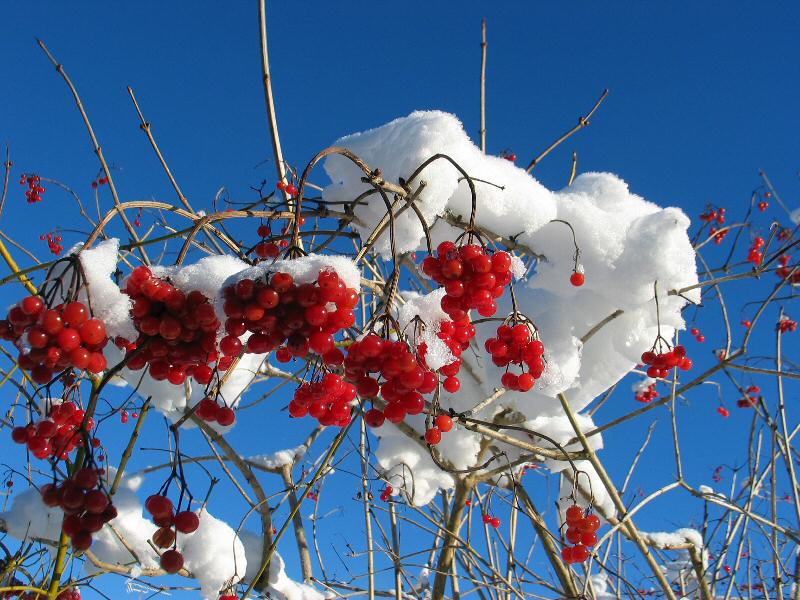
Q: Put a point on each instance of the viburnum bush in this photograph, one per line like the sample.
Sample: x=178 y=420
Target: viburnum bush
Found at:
x=446 y=339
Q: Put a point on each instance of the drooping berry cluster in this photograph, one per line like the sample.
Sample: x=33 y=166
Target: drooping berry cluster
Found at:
x=55 y=339
x=471 y=276
x=581 y=533
x=698 y=335
x=169 y=523
x=177 y=331
x=647 y=393
x=763 y=205
x=58 y=434
x=386 y=493
x=99 y=181
x=785 y=324
x=329 y=400
x=405 y=377
x=290 y=188
x=493 y=521
x=266 y=248
x=35 y=188
x=712 y=215
x=442 y=424
x=661 y=363
x=751 y=397
x=457 y=335
x=755 y=254
x=210 y=411
x=53 y=243
x=517 y=345
x=305 y=317
x=87 y=507
x=785 y=271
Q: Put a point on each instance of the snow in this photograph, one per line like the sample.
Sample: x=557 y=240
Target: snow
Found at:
x=704 y=489
x=214 y=554
x=107 y=300
x=679 y=537
x=279 y=459
x=305 y=269
x=281 y=586
x=30 y=518
x=428 y=309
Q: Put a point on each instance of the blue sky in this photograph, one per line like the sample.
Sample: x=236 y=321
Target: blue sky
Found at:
x=702 y=95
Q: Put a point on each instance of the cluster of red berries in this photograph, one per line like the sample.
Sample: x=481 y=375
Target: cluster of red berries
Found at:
x=581 y=532
x=53 y=243
x=750 y=398
x=211 y=412
x=697 y=335
x=784 y=271
x=58 y=434
x=714 y=215
x=755 y=254
x=329 y=400
x=35 y=188
x=441 y=424
x=661 y=363
x=177 y=331
x=457 y=335
x=516 y=345
x=86 y=506
x=490 y=520
x=784 y=233
x=305 y=317
x=724 y=411
x=647 y=394
x=99 y=181
x=764 y=204
x=386 y=493
x=472 y=278
x=266 y=249
x=169 y=523
x=71 y=593
x=406 y=377
x=229 y=597
x=56 y=338
x=290 y=188
x=785 y=324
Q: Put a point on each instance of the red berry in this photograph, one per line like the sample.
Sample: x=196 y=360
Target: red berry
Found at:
x=172 y=561
x=577 y=279
x=159 y=506
x=433 y=436
x=187 y=521
x=444 y=423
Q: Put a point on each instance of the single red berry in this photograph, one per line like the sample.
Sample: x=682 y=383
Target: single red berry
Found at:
x=187 y=521
x=172 y=561
x=433 y=436
x=577 y=279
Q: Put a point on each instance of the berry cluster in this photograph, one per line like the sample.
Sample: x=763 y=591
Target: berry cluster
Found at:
x=229 y=597
x=86 y=506
x=305 y=317
x=55 y=339
x=72 y=593
x=697 y=335
x=714 y=215
x=472 y=278
x=784 y=233
x=406 y=377
x=442 y=424
x=177 y=331
x=785 y=324
x=581 y=533
x=517 y=345
x=784 y=271
x=211 y=412
x=718 y=234
x=329 y=400
x=764 y=204
x=99 y=181
x=35 y=188
x=750 y=398
x=266 y=249
x=53 y=243
x=169 y=523
x=457 y=335
x=724 y=411
x=661 y=363
x=290 y=188
x=490 y=520
x=58 y=434
x=755 y=254
x=647 y=394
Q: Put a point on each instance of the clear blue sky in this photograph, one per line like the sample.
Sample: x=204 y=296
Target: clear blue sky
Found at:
x=702 y=95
